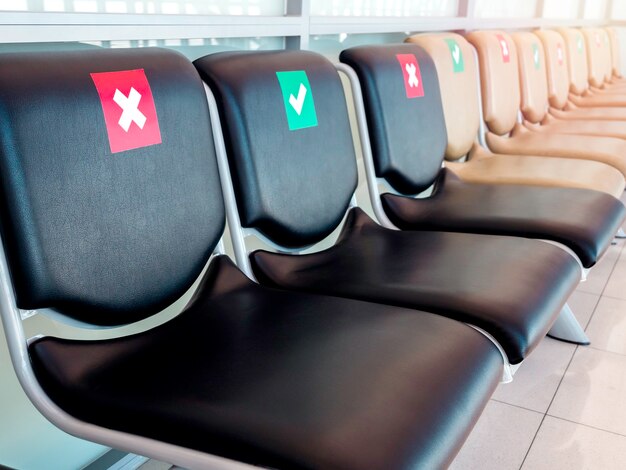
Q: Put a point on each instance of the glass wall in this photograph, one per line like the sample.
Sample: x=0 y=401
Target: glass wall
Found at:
x=505 y=9
x=167 y=7
x=384 y=7
x=560 y=9
x=596 y=9
x=619 y=10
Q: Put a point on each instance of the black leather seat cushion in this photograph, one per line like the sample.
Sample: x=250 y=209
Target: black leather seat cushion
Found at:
x=583 y=220
x=512 y=288
x=283 y=379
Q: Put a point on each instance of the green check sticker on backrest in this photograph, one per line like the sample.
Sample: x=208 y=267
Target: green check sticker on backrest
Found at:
x=456 y=54
x=579 y=43
x=536 y=56
x=297 y=99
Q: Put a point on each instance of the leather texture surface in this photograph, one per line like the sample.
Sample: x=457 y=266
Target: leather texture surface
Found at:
x=585 y=221
x=549 y=213
x=459 y=89
x=607 y=150
x=413 y=269
x=532 y=75
x=104 y=238
x=460 y=104
x=276 y=171
x=283 y=380
x=409 y=165
x=499 y=79
x=488 y=168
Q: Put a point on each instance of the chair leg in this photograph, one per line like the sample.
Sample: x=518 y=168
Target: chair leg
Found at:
x=566 y=328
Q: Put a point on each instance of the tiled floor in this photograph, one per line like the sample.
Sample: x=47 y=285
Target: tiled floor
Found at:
x=566 y=407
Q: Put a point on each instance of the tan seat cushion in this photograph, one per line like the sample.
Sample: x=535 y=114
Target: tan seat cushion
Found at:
x=607 y=150
x=488 y=168
x=581 y=127
x=572 y=111
x=590 y=99
x=615 y=87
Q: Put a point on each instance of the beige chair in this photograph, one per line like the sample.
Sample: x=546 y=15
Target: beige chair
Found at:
x=605 y=57
x=458 y=80
x=501 y=102
x=616 y=76
x=535 y=103
x=599 y=92
x=565 y=87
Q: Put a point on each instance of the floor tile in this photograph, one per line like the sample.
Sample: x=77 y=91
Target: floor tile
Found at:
x=583 y=305
x=599 y=274
x=155 y=465
x=537 y=379
x=593 y=391
x=607 y=328
x=562 y=445
x=616 y=285
x=500 y=439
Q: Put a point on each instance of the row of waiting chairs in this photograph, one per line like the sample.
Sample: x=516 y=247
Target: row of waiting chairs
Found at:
x=119 y=170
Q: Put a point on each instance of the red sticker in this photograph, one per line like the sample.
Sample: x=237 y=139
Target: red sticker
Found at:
x=128 y=108
x=412 y=75
x=559 y=53
x=504 y=48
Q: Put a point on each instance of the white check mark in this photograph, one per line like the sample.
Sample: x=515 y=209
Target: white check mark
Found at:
x=298 y=102
x=456 y=54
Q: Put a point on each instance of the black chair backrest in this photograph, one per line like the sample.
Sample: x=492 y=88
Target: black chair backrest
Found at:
x=110 y=201
x=404 y=113
x=288 y=138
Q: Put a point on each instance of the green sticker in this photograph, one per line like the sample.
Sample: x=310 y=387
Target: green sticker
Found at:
x=579 y=44
x=457 y=55
x=298 y=99
x=536 y=56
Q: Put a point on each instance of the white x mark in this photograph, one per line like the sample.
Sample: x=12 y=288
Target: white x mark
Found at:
x=505 y=47
x=130 y=111
x=411 y=70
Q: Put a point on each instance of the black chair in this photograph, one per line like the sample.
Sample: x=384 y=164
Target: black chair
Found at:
x=408 y=141
x=294 y=178
x=110 y=208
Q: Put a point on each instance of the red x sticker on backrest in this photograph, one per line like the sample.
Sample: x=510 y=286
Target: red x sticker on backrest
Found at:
x=504 y=48
x=559 y=53
x=412 y=75
x=128 y=106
